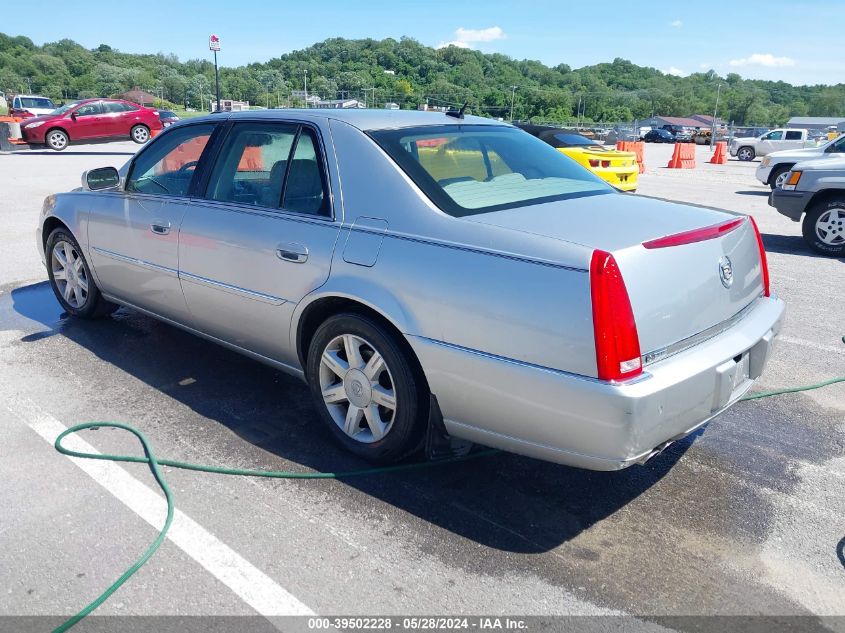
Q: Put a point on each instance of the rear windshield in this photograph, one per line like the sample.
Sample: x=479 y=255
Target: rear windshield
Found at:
x=36 y=102
x=470 y=169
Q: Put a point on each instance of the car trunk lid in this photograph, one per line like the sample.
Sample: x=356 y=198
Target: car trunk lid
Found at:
x=678 y=288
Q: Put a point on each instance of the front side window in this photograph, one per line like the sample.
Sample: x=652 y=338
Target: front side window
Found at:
x=774 y=136
x=167 y=166
x=89 y=109
x=469 y=169
x=273 y=165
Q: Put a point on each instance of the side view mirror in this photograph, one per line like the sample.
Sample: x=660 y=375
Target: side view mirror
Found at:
x=73 y=115
x=100 y=178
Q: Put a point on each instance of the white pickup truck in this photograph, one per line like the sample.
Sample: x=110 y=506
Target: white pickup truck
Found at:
x=776 y=140
x=774 y=168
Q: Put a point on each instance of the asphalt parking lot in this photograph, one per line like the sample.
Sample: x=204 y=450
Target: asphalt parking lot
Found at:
x=743 y=518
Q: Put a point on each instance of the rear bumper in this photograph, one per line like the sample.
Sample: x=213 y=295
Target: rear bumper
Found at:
x=583 y=422
x=792 y=204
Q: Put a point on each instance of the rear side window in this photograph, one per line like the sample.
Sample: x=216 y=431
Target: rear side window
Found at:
x=167 y=166
x=272 y=165
x=116 y=106
x=469 y=169
x=793 y=136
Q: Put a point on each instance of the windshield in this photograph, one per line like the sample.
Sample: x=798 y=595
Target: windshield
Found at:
x=65 y=108
x=469 y=169
x=37 y=102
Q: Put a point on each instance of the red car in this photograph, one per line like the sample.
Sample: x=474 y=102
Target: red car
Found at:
x=91 y=119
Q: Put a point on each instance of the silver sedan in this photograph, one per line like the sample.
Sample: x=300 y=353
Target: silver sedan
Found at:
x=433 y=277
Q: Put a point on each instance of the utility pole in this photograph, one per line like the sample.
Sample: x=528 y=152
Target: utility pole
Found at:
x=513 y=96
x=715 y=110
x=306 y=87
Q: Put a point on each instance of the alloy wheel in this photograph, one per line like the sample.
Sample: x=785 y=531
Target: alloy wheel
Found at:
x=744 y=154
x=830 y=227
x=781 y=178
x=140 y=134
x=69 y=274
x=56 y=140
x=357 y=388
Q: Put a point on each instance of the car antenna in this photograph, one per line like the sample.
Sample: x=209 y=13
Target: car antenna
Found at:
x=458 y=114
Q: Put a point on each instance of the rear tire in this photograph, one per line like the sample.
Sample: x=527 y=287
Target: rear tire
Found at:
x=746 y=153
x=824 y=228
x=778 y=176
x=140 y=134
x=366 y=388
x=56 y=139
x=71 y=279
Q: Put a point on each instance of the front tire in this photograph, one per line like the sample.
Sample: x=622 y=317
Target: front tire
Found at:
x=778 y=176
x=57 y=140
x=140 y=134
x=366 y=388
x=746 y=153
x=71 y=279
x=824 y=228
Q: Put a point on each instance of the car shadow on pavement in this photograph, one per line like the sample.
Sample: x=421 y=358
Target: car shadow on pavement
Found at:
x=505 y=501
x=791 y=245
x=754 y=192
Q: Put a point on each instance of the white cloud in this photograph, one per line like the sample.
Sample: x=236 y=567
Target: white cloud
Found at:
x=763 y=59
x=677 y=72
x=465 y=38
x=677 y=24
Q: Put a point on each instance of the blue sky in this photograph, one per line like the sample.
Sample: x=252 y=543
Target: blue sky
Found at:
x=753 y=39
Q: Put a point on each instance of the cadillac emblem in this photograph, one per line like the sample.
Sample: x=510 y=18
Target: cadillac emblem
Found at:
x=726 y=271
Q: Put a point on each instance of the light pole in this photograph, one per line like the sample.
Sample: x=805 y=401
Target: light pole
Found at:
x=306 y=86
x=214 y=45
x=513 y=96
x=715 y=110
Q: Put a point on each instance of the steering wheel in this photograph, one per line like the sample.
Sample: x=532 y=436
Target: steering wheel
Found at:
x=189 y=165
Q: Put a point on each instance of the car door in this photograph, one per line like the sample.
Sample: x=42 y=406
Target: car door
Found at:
x=262 y=239
x=133 y=234
x=770 y=142
x=792 y=139
x=114 y=119
x=88 y=121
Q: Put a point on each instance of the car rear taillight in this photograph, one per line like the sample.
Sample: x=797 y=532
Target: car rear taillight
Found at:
x=594 y=162
x=615 y=331
x=605 y=163
x=764 y=264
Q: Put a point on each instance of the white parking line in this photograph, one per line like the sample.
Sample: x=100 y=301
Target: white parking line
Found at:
x=248 y=582
x=812 y=344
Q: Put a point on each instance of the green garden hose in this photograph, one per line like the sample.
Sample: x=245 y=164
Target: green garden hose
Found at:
x=155 y=464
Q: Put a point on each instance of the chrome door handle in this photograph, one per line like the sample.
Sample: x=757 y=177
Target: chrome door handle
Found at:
x=160 y=227
x=296 y=253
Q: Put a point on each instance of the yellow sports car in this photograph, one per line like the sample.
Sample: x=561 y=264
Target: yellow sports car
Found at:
x=620 y=169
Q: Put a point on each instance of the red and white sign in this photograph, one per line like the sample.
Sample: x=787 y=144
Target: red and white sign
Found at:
x=213 y=43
